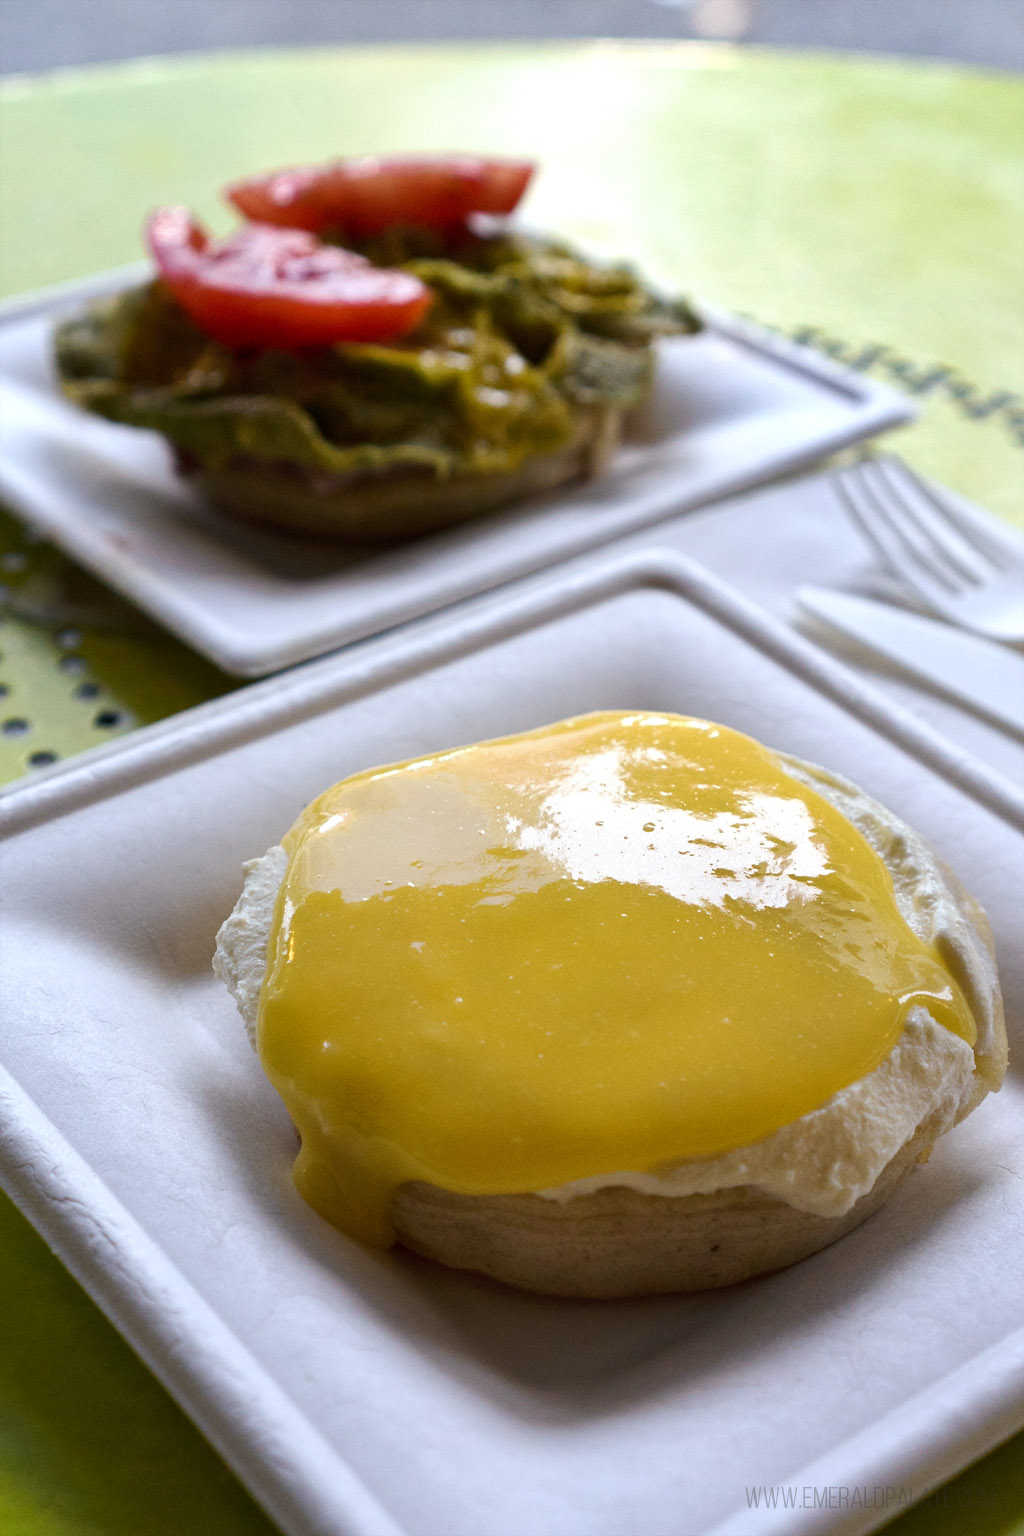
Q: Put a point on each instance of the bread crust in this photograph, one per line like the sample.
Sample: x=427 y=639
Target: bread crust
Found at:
x=618 y=1242
x=394 y=505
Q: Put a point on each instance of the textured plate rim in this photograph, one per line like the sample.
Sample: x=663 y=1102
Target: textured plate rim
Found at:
x=429 y=642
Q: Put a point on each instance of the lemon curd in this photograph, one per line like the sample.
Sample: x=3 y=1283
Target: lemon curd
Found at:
x=614 y=943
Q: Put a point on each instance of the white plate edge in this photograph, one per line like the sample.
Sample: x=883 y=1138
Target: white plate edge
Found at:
x=95 y=285
x=192 y=625
x=751 y=333
x=931 y=1437
x=435 y=639
x=874 y=407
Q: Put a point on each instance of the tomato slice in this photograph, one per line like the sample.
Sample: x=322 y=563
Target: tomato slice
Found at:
x=270 y=287
x=366 y=194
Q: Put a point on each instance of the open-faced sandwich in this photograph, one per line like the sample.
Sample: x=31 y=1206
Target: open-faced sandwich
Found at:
x=376 y=352
x=623 y=1005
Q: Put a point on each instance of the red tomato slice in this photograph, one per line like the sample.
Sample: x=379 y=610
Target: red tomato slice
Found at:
x=364 y=195
x=268 y=287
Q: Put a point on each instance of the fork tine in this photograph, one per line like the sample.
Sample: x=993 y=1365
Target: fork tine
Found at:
x=920 y=544
x=875 y=522
x=962 y=572
x=1002 y=550
x=947 y=538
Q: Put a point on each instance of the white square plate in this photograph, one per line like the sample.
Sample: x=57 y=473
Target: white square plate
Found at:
x=734 y=406
x=369 y=1394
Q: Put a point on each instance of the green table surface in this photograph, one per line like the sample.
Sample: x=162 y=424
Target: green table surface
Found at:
x=873 y=208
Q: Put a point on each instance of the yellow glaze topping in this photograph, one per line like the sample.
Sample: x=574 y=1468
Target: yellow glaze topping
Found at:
x=621 y=941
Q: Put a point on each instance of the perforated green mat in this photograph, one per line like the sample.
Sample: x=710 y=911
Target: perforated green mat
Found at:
x=77 y=665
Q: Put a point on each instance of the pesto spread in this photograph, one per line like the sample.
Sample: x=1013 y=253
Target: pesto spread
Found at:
x=524 y=337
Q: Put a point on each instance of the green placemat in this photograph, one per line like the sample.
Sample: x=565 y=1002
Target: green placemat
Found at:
x=78 y=665
x=873 y=208
x=90 y=1443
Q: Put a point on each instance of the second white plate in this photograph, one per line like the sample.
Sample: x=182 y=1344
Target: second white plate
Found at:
x=370 y=1394
x=734 y=406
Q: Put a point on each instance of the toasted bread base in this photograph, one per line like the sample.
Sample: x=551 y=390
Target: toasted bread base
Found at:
x=387 y=508
x=618 y=1242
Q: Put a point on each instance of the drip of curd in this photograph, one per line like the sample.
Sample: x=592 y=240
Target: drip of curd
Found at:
x=615 y=943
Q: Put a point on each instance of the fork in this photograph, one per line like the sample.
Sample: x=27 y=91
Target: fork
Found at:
x=950 y=561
